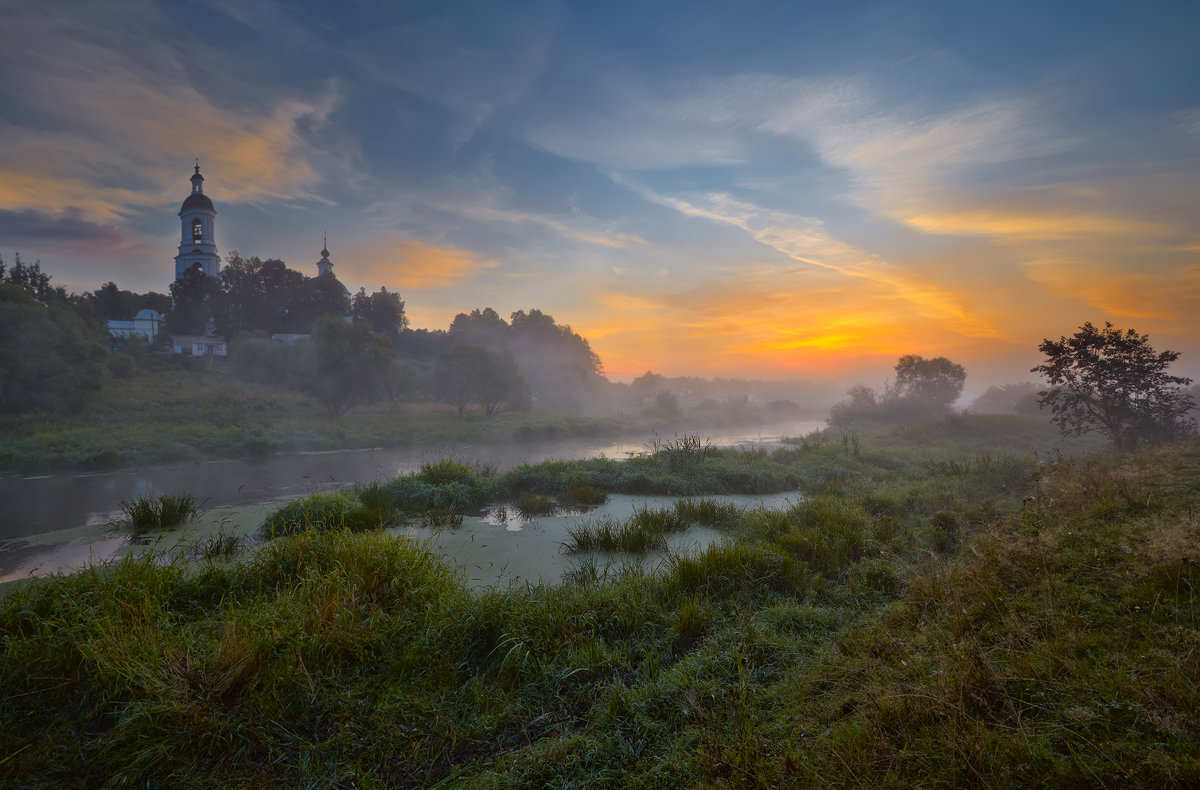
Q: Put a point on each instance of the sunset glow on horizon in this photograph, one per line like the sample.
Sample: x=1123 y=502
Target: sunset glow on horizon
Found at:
x=766 y=190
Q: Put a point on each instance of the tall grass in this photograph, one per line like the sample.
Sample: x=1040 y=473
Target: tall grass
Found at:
x=147 y=513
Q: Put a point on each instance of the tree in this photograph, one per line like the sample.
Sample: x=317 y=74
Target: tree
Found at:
x=352 y=364
x=1114 y=382
x=1018 y=398
x=111 y=303
x=258 y=295
x=469 y=374
x=932 y=383
x=382 y=311
x=499 y=385
x=861 y=404
x=647 y=385
x=484 y=328
x=192 y=300
x=50 y=360
x=923 y=389
x=323 y=295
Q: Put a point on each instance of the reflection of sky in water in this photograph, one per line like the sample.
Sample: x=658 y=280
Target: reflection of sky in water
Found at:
x=58 y=523
x=492 y=553
x=38 y=504
x=489 y=551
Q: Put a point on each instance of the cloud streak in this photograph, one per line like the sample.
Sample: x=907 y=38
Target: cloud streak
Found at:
x=805 y=240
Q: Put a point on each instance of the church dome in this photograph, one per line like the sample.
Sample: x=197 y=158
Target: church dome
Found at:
x=198 y=200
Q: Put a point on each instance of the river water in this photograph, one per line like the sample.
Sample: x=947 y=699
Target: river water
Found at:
x=58 y=523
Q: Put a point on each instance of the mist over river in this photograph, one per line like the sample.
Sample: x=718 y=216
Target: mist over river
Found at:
x=58 y=522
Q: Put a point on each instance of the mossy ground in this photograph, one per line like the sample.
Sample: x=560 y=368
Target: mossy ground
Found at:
x=922 y=618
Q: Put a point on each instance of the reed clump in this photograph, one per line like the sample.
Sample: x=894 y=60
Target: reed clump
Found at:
x=148 y=513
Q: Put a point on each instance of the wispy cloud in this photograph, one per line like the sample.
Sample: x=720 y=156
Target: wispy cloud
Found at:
x=115 y=136
x=805 y=240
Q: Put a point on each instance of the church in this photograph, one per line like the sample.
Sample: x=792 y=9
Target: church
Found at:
x=198 y=247
x=198 y=234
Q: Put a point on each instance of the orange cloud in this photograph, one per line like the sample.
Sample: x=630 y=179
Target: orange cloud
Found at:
x=767 y=323
x=1029 y=226
x=143 y=126
x=1153 y=295
x=405 y=263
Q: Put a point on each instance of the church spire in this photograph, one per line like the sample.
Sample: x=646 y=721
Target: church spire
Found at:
x=197 y=243
x=325 y=266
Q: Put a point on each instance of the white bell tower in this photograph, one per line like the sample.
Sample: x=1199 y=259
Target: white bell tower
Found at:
x=198 y=241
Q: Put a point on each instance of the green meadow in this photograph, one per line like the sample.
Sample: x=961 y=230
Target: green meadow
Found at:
x=943 y=607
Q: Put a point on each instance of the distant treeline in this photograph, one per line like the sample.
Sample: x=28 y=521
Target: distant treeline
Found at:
x=310 y=334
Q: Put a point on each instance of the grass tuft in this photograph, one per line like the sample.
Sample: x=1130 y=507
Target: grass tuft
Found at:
x=145 y=513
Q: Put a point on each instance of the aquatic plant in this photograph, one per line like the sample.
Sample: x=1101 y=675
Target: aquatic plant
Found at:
x=322 y=512
x=147 y=513
x=534 y=505
x=221 y=546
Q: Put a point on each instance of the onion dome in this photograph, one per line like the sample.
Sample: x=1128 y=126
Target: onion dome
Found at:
x=197 y=199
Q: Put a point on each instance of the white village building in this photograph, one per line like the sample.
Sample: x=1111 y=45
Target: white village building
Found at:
x=147 y=324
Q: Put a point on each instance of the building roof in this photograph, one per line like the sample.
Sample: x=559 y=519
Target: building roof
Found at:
x=197 y=200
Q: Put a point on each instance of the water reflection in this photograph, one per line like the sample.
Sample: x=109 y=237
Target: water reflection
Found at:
x=56 y=523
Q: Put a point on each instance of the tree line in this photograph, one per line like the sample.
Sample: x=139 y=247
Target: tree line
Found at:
x=361 y=346
x=1109 y=381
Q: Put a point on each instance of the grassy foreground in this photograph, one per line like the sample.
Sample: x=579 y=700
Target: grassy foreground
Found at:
x=920 y=620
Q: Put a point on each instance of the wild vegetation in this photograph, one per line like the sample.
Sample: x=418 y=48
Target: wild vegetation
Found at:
x=929 y=614
x=147 y=513
x=1113 y=382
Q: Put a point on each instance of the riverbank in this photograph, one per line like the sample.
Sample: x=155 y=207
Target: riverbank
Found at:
x=933 y=618
x=183 y=414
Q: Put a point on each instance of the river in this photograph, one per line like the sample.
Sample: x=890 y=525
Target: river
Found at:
x=58 y=523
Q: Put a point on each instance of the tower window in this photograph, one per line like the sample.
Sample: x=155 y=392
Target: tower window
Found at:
x=196 y=231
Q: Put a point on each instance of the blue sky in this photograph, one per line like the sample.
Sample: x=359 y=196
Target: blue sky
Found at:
x=769 y=189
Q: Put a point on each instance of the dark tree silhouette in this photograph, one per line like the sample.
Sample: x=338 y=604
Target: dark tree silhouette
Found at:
x=50 y=360
x=111 y=303
x=472 y=375
x=352 y=364
x=382 y=311
x=1114 y=382
x=30 y=278
x=933 y=383
x=193 y=298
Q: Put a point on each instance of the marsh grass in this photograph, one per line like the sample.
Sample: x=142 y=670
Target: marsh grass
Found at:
x=441 y=517
x=582 y=495
x=530 y=506
x=148 y=513
x=1052 y=643
x=610 y=535
x=708 y=512
x=644 y=531
x=219 y=547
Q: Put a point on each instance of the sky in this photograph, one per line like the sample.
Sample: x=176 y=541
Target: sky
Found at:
x=758 y=189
